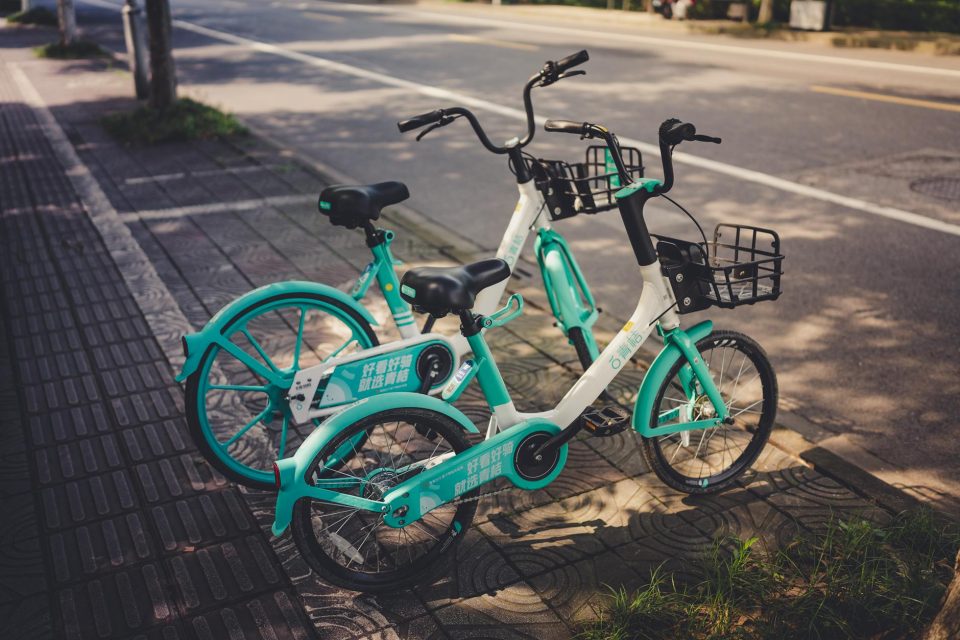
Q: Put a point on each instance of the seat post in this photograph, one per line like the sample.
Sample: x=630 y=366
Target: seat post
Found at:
x=375 y=237
x=488 y=375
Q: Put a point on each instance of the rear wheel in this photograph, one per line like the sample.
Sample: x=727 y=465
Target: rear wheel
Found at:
x=353 y=548
x=710 y=460
x=240 y=422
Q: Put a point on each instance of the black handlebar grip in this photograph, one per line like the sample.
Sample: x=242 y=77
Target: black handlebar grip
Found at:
x=420 y=121
x=673 y=132
x=573 y=60
x=565 y=126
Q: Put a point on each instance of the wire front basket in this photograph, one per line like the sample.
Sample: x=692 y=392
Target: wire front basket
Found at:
x=583 y=187
x=742 y=265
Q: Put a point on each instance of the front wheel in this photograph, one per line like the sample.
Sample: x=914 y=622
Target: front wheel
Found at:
x=353 y=548
x=710 y=460
x=240 y=422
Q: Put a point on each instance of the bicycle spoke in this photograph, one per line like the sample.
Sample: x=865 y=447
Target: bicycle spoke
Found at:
x=246 y=427
x=299 y=343
x=259 y=350
x=237 y=387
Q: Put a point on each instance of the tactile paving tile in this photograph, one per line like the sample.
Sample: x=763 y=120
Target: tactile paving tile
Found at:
x=75 y=459
x=176 y=477
x=115 y=605
x=82 y=552
x=219 y=574
x=81 y=501
x=186 y=524
x=269 y=615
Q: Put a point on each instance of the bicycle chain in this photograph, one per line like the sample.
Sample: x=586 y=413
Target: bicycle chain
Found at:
x=457 y=503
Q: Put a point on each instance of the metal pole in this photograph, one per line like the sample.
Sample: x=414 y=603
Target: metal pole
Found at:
x=25 y=5
x=135 y=34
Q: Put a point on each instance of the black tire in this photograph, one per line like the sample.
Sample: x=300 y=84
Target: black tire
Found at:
x=580 y=344
x=752 y=432
x=194 y=381
x=402 y=575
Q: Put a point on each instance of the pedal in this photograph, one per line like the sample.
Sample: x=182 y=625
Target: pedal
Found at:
x=605 y=421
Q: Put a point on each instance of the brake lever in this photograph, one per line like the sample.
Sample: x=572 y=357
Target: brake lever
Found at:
x=442 y=122
x=570 y=74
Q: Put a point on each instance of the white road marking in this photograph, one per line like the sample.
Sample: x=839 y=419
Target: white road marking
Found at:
x=454 y=97
x=216 y=207
x=630 y=38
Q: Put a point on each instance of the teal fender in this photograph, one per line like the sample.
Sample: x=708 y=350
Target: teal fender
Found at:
x=656 y=374
x=292 y=471
x=567 y=292
x=195 y=344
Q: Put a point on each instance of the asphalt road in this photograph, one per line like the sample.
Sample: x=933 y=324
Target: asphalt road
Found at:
x=865 y=338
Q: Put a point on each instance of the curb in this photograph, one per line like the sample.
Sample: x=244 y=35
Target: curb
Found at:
x=791 y=432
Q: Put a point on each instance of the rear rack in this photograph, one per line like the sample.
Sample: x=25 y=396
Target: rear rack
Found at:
x=583 y=187
x=741 y=266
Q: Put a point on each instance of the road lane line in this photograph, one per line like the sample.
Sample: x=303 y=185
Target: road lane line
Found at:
x=884 y=97
x=740 y=173
x=630 y=38
x=459 y=37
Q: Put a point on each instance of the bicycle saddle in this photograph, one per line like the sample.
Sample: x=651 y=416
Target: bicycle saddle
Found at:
x=442 y=290
x=354 y=206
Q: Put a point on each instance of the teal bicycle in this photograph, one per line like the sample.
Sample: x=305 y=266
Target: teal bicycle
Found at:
x=388 y=517
x=271 y=365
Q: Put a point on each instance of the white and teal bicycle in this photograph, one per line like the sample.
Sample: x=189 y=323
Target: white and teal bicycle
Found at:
x=271 y=365
x=386 y=517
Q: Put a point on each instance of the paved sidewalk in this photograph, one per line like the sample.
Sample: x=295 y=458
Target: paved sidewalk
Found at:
x=116 y=526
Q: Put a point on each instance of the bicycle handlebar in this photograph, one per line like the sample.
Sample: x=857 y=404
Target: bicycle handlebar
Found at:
x=551 y=72
x=421 y=120
x=672 y=132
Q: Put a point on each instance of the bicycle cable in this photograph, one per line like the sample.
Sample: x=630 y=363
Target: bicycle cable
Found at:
x=689 y=215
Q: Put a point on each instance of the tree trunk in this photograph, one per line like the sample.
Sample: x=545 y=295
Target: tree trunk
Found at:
x=67 y=19
x=163 y=73
x=25 y=5
x=946 y=626
x=648 y=6
x=766 y=12
x=626 y=5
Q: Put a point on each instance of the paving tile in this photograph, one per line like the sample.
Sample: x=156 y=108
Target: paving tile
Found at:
x=218 y=574
x=478 y=568
x=27 y=619
x=21 y=569
x=277 y=614
x=117 y=604
x=73 y=460
x=584 y=471
x=186 y=524
x=576 y=591
x=515 y=611
x=83 y=552
x=176 y=477
x=167 y=438
x=422 y=628
x=69 y=424
x=547 y=537
x=72 y=503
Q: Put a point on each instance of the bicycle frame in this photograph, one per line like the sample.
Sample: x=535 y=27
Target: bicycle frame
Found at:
x=488 y=460
x=348 y=378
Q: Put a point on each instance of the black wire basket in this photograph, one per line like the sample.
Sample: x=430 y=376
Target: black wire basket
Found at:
x=742 y=265
x=583 y=187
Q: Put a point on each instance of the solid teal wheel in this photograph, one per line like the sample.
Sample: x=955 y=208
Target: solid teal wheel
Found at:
x=240 y=421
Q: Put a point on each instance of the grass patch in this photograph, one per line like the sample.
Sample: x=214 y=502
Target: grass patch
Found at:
x=37 y=15
x=184 y=121
x=74 y=51
x=856 y=580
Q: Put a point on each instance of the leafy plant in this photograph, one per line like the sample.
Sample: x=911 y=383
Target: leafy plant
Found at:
x=73 y=51
x=854 y=579
x=185 y=120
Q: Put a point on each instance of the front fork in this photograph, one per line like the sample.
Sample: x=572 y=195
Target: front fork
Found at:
x=571 y=301
x=696 y=380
